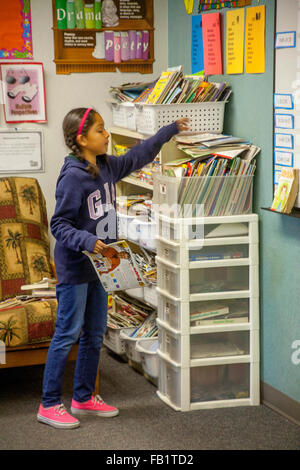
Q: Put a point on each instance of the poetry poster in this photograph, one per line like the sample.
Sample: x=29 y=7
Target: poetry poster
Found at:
x=212 y=44
x=255 y=40
x=235 y=41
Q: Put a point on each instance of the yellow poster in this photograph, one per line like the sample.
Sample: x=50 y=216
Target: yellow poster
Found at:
x=235 y=41
x=255 y=39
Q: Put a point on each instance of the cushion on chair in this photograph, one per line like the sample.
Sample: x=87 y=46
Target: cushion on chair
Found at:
x=29 y=323
x=24 y=242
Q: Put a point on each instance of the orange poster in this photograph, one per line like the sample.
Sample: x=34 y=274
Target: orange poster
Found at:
x=15 y=30
x=212 y=44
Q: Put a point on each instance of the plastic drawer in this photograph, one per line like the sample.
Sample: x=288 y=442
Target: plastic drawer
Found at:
x=183 y=254
x=209 y=386
x=177 y=314
x=212 y=229
x=181 y=283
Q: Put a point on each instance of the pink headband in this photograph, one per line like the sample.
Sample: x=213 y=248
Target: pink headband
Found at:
x=83 y=121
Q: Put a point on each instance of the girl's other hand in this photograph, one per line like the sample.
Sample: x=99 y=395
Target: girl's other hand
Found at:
x=182 y=124
x=99 y=246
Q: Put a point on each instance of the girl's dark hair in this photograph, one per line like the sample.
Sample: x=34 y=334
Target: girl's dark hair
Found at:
x=71 y=125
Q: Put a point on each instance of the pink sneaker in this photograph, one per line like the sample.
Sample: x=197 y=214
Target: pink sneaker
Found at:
x=94 y=406
x=57 y=417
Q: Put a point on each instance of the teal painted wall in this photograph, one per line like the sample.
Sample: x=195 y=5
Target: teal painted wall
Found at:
x=249 y=114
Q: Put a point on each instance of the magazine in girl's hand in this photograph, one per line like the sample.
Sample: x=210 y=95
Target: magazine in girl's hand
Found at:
x=116 y=267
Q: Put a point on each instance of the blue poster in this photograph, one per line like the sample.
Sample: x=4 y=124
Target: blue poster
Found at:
x=197 y=44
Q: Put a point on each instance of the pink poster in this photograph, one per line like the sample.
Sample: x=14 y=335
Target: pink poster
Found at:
x=212 y=44
x=23 y=91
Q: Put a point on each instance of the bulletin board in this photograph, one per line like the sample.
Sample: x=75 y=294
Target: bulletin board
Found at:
x=287 y=89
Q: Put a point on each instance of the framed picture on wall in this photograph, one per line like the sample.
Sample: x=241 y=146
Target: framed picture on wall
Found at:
x=23 y=92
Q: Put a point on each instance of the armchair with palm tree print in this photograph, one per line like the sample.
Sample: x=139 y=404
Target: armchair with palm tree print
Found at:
x=24 y=259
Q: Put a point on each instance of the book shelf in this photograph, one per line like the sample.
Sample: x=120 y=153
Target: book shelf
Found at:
x=211 y=362
x=80 y=60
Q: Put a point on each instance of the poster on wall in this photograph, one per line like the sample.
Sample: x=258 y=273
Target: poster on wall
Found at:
x=23 y=92
x=15 y=30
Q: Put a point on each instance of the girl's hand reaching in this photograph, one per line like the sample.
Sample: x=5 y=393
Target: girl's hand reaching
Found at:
x=99 y=246
x=182 y=124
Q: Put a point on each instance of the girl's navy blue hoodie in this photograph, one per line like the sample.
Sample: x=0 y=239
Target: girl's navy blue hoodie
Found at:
x=86 y=207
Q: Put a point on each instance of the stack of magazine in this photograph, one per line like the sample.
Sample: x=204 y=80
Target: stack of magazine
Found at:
x=217 y=172
x=128 y=312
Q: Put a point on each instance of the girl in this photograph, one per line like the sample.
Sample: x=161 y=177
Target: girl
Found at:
x=85 y=219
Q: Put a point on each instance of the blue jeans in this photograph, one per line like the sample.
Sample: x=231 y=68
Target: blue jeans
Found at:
x=82 y=311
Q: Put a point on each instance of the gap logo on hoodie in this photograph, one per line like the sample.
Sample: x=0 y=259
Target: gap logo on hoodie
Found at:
x=107 y=226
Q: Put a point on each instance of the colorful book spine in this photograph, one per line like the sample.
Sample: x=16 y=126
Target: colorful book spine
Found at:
x=139 y=45
x=125 y=46
x=71 y=18
x=79 y=13
x=61 y=14
x=109 y=45
x=132 y=44
x=89 y=15
x=117 y=48
x=98 y=15
x=145 y=52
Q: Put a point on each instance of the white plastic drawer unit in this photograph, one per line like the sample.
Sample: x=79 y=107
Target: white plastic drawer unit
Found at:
x=183 y=283
x=185 y=253
x=182 y=316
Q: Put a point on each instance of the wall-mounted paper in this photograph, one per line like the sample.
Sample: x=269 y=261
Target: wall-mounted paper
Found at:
x=283 y=158
x=284 y=121
x=235 y=41
x=285 y=39
x=212 y=44
x=255 y=39
x=283 y=140
x=197 y=44
x=21 y=151
x=283 y=101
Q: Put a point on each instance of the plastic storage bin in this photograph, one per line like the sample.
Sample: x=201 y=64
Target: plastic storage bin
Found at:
x=176 y=314
x=204 y=117
x=186 y=350
x=209 y=386
x=130 y=344
x=147 y=235
x=183 y=253
x=128 y=226
x=114 y=342
x=208 y=196
x=123 y=115
x=149 y=357
x=182 y=283
x=137 y=293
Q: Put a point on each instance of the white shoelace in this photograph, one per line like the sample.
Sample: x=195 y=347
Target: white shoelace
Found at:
x=97 y=399
x=61 y=410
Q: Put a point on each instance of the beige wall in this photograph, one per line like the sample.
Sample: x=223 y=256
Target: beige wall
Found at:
x=64 y=92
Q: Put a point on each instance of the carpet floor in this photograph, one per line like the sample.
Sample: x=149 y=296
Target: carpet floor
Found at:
x=144 y=422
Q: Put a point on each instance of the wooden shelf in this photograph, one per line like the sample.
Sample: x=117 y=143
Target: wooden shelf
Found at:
x=80 y=60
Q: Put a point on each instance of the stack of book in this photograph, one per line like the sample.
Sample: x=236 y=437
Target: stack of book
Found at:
x=46 y=288
x=173 y=87
x=211 y=159
x=217 y=313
